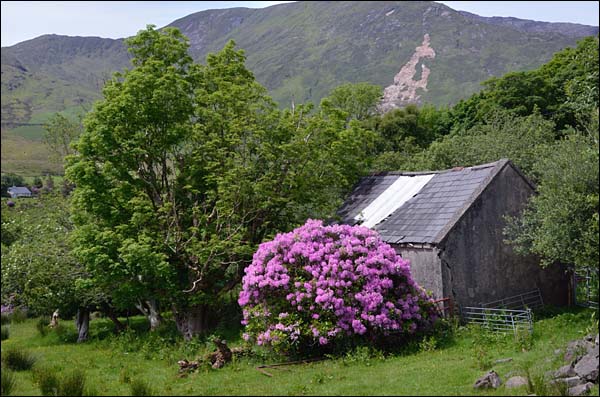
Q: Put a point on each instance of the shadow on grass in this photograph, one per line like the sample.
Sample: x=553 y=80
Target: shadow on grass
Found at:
x=548 y=311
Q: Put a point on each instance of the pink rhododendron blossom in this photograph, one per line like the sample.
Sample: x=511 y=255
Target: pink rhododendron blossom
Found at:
x=319 y=284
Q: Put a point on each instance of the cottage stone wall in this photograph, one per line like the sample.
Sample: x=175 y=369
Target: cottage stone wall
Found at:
x=478 y=267
x=425 y=268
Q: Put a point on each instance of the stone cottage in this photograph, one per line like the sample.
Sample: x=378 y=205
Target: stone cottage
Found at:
x=449 y=225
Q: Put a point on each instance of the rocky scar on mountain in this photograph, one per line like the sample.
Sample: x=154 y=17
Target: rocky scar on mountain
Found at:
x=404 y=89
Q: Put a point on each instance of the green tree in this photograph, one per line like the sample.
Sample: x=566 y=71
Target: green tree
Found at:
x=519 y=139
x=561 y=222
x=562 y=89
x=59 y=132
x=49 y=184
x=573 y=76
x=184 y=169
x=37 y=182
x=38 y=270
x=357 y=101
x=9 y=180
x=126 y=174
x=411 y=126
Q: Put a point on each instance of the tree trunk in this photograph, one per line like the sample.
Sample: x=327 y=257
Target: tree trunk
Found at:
x=150 y=309
x=110 y=313
x=192 y=321
x=82 y=322
x=154 y=315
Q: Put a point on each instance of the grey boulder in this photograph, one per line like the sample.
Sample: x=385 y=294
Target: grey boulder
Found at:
x=565 y=371
x=580 y=390
x=491 y=380
x=587 y=367
x=515 y=381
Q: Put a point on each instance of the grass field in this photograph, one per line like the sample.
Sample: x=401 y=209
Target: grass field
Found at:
x=436 y=366
x=26 y=157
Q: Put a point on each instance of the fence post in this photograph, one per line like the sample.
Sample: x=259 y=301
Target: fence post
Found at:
x=588 y=281
x=530 y=320
x=512 y=321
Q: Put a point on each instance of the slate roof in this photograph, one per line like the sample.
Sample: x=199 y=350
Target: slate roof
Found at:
x=430 y=214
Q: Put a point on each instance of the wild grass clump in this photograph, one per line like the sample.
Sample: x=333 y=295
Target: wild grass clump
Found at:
x=5 y=318
x=161 y=344
x=18 y=315
x=539 y=385
x=4 y=333
x=7 y=382
x=51 y=384
x=364 y=355
x=523 y=339
x=42 y=326
x=139 y=387
x=47 y=380
x=66 y=334
x=124 y=376
x=73 y=383
x=18 y=359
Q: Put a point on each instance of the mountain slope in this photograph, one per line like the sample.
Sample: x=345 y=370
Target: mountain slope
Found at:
x=52 y=73
x=305 y=49
x=527 y=25
x=299 y=51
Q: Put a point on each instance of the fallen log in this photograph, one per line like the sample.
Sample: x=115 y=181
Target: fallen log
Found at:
x=261 y=368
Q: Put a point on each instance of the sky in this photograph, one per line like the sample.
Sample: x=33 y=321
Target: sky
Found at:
x=24 y=20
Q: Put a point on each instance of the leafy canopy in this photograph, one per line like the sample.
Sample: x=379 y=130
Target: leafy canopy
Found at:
x=184 y=169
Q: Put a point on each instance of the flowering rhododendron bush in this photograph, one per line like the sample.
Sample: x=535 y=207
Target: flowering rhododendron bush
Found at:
x=320 y=285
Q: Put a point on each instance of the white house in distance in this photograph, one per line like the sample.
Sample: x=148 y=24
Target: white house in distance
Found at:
x=19 y=191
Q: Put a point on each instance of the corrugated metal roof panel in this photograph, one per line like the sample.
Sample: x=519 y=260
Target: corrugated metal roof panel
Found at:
x=367 y=190
x=398 y=193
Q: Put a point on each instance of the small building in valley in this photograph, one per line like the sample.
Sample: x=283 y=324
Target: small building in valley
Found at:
x=449 y=225
x=19 y=191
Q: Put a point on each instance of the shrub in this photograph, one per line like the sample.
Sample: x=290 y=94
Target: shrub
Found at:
x=319 y=286
x=5 y=314
x=47 y=380
x=362 y=355
x=7 y=382
x=18 y=315
x=72 y=384
x=66 y=334
x=523 y=339
x=483 y=359
x=4 y=333
x=428 y=344
x=139 y=387
x=42 y=326
x=18 y=359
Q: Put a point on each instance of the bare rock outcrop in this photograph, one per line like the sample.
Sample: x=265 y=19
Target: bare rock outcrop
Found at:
x=404 y=89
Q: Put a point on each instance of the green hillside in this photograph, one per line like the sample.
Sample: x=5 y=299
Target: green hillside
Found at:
x=300 y=51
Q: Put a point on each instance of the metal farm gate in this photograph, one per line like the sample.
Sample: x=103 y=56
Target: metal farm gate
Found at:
x=508 y=314
x=500 y=320
x=586 y=287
